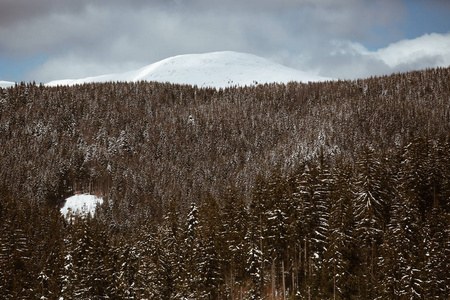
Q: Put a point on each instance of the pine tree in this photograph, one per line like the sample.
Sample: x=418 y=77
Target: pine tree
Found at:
x=369 y=201
x=257 y=237
x=232 y=233
x=255 y=263
x=146 y=268
x=126 y=270
x=437 y=258
x=19 y=271
x=6 y=247
x=313 y=200
x=52 y=258
x=209 y=266
x=68 y=274
x=401 y=260
x=85 y=275
x=191 y=255
x=340 y=254
x=170 y=257
x=165 y=276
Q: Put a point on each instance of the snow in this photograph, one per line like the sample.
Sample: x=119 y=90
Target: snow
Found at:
x=215 y=69
x=80 y=204
x=6 y=84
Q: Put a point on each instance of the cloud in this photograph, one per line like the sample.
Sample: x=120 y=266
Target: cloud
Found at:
x=146 y=36
x=83 y=38
x=73 y=66
x=350 y=60
x=429 y=50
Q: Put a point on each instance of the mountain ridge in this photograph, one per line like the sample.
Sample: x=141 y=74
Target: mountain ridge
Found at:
x=214 y=69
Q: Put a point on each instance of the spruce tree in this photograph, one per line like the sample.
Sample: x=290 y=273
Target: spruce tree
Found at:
x=209 y=267
x=191 y=255
x=233 y=230
x=437 y=259
x=369 y=202
x=340 y=255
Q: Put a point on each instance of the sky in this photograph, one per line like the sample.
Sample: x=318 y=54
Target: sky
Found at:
x=58 y=39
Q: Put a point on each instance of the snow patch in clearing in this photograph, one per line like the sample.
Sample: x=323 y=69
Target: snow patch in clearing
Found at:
x=80 y=204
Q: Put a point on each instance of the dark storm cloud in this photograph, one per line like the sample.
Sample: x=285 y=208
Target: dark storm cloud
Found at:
x=54 y=21
x=84 y=37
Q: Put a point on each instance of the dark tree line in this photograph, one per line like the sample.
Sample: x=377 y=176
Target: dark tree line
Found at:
x=322 y=190
x=375 y=230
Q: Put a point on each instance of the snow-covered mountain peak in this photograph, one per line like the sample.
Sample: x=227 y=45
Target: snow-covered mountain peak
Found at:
x=215 y=69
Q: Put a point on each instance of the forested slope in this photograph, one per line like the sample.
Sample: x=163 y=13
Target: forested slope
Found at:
x=322 y=189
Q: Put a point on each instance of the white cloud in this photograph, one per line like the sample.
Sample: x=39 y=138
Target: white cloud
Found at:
x=430 y=48
x=325 y=37
x=349 y=60
x=72 y=67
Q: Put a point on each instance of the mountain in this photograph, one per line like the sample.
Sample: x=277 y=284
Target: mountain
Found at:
x=216 y=69
x=6 y=84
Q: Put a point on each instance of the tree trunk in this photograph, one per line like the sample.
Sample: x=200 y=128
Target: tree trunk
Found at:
x=294 y=267
x=334 y=282
x=262 y=260
x=284 y=282
x=273 y=279
x=232 y=284
x=306 y=259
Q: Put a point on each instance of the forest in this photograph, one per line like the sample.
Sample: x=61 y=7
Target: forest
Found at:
x=329 y=190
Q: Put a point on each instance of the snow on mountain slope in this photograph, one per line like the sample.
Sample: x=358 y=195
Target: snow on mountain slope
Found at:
x=80 y=204
x=6 y=84
x=216 y=69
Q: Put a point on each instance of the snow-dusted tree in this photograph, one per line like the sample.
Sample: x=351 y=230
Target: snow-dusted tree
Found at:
x=401 y=254
x=340 y=254
x=276 y=217
x=312 y=199
x=6 y=248
x=209 y=266
x=191 y=255
x=437 y=257
x=84 y=274
x=146 y=269
x=170 y=257
x=280 y=238
x=255 y=263
x=165 y=276
x=18 y=267
x=257 y=233
x=232 y=232
x=369 y=202
x=50 y=248
x=68 y=273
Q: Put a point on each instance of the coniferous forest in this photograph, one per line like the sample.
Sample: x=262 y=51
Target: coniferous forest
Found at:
x=331 y=190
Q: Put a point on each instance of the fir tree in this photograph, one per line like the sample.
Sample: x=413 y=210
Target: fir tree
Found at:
x=209 y=267
x=191 y=255
x=437 y=259
x=233 y=230
x=340 y=254
x=369 y=201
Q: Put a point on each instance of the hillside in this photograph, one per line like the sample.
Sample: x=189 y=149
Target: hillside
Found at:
x=220 y=193
x=216 y=69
